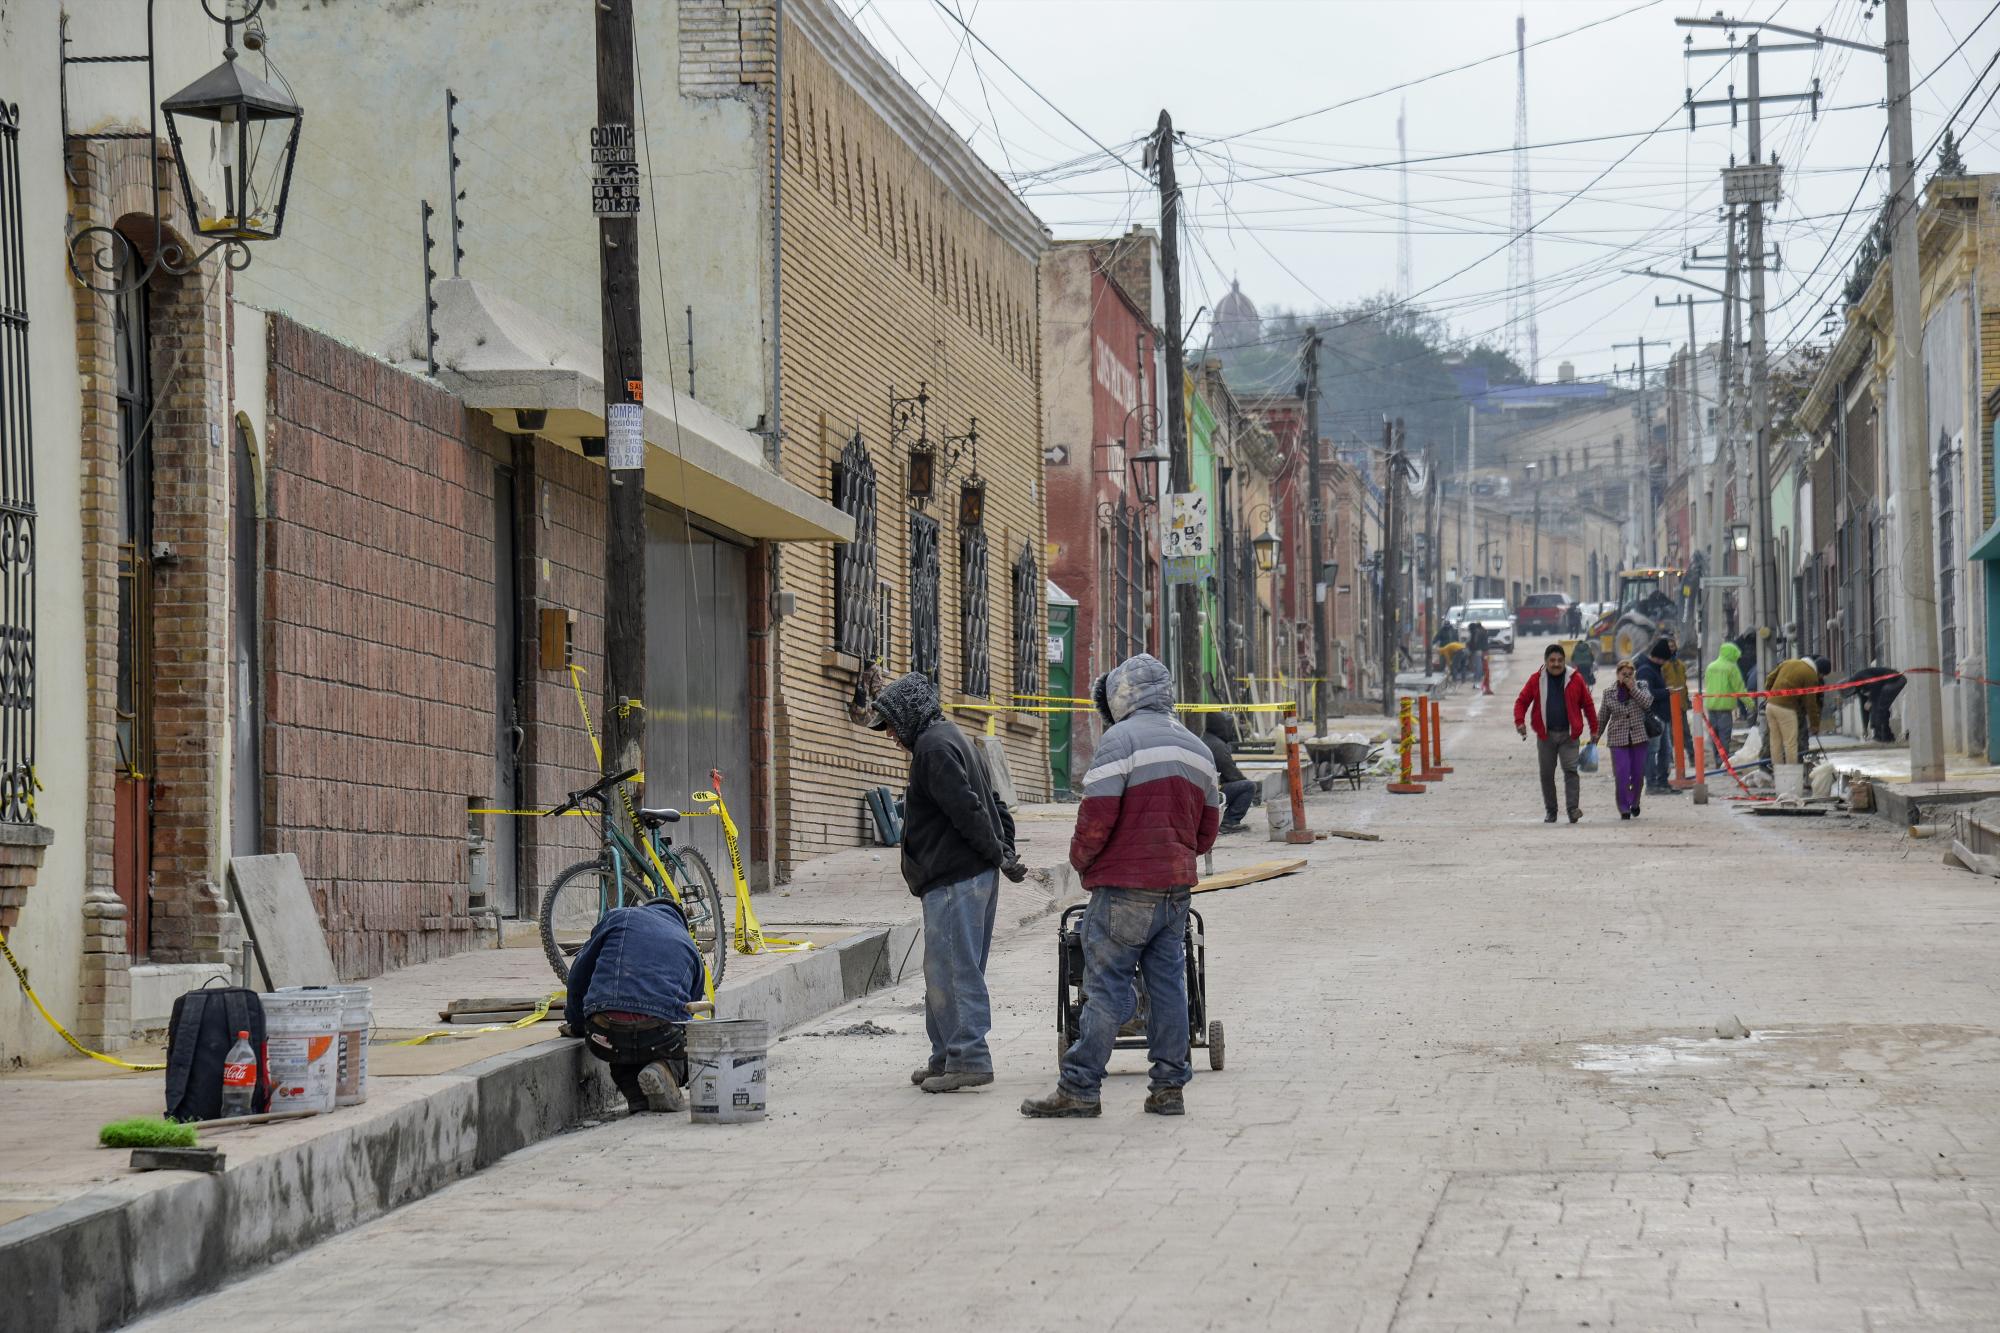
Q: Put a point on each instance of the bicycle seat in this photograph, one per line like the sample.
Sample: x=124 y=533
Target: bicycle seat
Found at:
x=655 y=818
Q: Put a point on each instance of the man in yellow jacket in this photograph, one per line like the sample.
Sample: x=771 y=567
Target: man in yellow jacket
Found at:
x=1793 y=716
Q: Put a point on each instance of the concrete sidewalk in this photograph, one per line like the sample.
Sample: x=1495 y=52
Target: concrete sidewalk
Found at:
x=87 y=1243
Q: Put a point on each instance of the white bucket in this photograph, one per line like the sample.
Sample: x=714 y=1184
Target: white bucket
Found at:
x=301 y=1033
x=726 y=1066
x=357 y=1020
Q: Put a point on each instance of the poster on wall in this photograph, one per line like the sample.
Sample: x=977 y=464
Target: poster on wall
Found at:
x=1187 y=525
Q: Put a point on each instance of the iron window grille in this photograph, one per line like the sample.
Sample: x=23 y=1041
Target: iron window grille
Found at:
x=975 y=616
x=926 y=642
x=17 y=496
x=854 y=612
x=1947 y=554
x=1027 y=624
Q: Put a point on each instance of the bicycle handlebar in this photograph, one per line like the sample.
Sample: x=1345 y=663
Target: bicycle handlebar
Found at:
x=593 y=793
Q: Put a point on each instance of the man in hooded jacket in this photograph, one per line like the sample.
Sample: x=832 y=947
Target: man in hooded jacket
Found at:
x=1723 y=692
x=957 y=840
x=1151 y=806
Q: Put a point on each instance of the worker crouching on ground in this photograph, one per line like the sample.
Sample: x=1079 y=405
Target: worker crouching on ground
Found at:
x=1151 y=805
x=629 y=988
x=1794 y=717
x=957 y=841
x=1558 y=703
x=1877 y=687
x=1237 y=791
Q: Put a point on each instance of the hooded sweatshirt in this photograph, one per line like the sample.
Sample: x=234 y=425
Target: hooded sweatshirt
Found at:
x=953 y=828
x=1723 y=679
x=1151 y=801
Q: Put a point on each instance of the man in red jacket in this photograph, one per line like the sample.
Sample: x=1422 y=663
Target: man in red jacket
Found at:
x=1151 y=805
x=1562 y=710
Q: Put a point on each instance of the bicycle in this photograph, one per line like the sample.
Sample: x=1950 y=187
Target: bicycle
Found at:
x=625 y=875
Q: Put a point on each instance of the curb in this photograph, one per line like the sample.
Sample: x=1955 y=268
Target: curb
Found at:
x=132 y=1247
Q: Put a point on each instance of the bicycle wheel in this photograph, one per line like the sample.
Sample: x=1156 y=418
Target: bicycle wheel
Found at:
x=701 y=902
x=573 y=904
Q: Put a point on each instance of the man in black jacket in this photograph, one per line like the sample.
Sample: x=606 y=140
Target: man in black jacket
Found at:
x=1660 y=726
x=1237 y=791
x=957 y=840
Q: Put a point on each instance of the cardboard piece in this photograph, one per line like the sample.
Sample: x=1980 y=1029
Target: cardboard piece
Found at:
x=284 y=928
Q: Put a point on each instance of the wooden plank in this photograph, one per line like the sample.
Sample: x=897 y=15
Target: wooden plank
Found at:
x=1352 y=835
x=1977 y=862
x=1250 y=874
x=519 y=1004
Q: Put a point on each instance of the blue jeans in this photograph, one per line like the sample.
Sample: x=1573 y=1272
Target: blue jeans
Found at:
x=958 y=934
x=1660 y=761
x=1124 y=929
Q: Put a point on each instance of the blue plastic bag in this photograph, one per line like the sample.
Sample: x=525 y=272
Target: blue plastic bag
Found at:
x=1588 y=763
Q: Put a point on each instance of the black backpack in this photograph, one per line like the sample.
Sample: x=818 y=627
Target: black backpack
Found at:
x=204 y=1026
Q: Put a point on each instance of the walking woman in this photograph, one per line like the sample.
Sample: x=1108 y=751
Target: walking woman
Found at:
x=1626 y=703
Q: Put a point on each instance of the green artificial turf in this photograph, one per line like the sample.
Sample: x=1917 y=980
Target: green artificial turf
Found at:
x=146 y=1131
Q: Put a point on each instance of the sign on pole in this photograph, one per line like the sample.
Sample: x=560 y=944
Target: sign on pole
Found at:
x=614 y=168
x=1187 y=525
x=625 y=437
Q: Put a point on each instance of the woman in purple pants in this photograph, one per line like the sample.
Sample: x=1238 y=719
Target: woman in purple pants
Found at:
x=1622 y=724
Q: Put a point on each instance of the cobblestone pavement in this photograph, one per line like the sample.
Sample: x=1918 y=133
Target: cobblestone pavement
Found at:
x=1472 y=1084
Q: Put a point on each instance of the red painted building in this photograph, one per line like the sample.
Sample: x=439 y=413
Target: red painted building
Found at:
x=1100 y=407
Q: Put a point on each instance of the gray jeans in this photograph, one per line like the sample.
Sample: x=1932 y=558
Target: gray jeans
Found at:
x=958 y=934
x=1567 y=751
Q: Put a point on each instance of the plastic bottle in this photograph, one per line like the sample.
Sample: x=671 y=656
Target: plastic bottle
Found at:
x=239 y=1078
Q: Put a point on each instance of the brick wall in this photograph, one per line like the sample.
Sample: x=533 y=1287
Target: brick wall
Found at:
x=891 y=278
x=379 y=614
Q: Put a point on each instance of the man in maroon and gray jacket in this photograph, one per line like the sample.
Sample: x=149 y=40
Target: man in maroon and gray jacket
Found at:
x=1151 y=805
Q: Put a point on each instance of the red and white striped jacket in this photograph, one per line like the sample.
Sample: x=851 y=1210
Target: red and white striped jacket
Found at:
x=1151 y=801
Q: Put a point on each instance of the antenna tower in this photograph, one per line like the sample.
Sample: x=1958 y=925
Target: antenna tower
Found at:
x=1523 y=340
x=1403 y=284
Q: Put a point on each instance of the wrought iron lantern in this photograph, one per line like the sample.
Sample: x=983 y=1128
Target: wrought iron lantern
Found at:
x=1739 y=536
x=1265 y=546
x=257 y=138
x=972 y=502
x=256 y=128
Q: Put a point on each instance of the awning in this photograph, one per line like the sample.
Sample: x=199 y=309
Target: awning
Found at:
x=505 y=360
x=1988 y=547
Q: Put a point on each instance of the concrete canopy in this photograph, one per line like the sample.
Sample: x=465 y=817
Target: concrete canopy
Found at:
x=503 y=359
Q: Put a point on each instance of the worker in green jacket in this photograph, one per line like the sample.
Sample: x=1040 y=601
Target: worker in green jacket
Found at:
x=1722 y=690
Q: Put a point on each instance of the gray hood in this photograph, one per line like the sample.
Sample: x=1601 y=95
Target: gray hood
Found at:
x=906 y=706
x=1138 y=684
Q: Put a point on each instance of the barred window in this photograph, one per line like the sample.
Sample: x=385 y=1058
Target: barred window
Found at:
x=1027 y=624
x=926 y=643
x=854 y=562
x=976 y=619
x=17 y=497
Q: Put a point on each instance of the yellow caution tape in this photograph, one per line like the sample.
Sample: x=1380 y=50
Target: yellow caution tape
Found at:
x=750 y=936
x=21 y=975
x=541 y=1012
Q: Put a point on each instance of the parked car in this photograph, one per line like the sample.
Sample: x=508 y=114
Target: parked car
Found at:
x=1499 y=622
x=1544 y=613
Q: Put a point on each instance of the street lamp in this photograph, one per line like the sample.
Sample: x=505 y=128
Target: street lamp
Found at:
x=257 y=138
x=1265 y=546
x=1739 y=537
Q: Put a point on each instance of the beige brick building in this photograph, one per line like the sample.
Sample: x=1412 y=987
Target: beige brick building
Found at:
x=906 y=265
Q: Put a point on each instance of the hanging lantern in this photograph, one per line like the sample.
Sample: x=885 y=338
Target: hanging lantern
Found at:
x=1265 y=547
x=257 y=135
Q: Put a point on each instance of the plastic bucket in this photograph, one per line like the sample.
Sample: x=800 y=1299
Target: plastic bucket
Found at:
x=727 y=1060
x=357 y=1020
x=301 y=1033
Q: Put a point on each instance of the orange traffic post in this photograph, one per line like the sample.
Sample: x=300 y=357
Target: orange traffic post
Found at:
x=1407 y=786
x=1486 y=672
x=1421 y=706
x=1680 y=781
x=1298 y=832
x=1438 y=765
x=1699 y=726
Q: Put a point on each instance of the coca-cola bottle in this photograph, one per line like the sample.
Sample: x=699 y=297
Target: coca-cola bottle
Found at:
x=239 y=1077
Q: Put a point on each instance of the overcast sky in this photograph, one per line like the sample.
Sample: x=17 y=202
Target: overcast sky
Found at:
x=1227 y=69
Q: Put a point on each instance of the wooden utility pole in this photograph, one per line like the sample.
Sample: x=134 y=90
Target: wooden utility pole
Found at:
x=1392 y=556
x=1186 y=603
x=1315 y=543
x=615 y=199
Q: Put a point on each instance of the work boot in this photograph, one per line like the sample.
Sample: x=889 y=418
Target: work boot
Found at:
x=1166 y=1101
x=917 y=1076
x=1549 y=818
x=1575 y=815
x=662 y=1093
x=953 y=1080
x=1059 y=1104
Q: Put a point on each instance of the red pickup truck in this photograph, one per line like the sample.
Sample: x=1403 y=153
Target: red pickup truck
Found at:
x=1542 y=613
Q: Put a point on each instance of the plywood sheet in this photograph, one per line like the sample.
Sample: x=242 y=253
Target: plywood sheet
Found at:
x=278 y=913
x=1250 y=874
